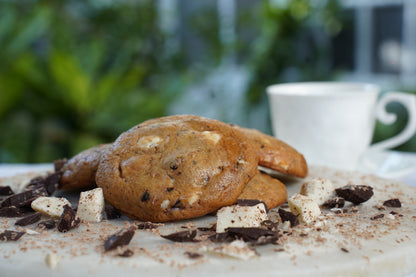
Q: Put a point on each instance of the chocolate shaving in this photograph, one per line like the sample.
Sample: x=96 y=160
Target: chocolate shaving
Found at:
x=23 y=198
x=337 y=202
x=220 y=237
x=112 y=213
x=392 y=203
x=30 y=219
x=68 y=220
x=147 y=226
x=251 y=233
x=47 y=224
x=183 y=236
x=356 y=194
x=288 y=216
x=345 y=250
x=121 y=238
x=6 y=190
x=208 y=229
x=377 y=217
x=11 y=211
x=9 y=235
x=193 y=255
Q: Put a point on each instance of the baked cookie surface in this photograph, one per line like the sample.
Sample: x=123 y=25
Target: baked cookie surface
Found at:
x=276 y=154
x=175 y=168
x=79 y=171
x=265 y=188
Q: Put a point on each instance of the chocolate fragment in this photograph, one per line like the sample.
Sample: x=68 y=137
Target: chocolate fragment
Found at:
x=183 y=236
x=52 y=182
x=345 y=250
x=288 y=216
x=23 y=198
x=11 y=211
x=270 y=225
x=6 y=190
x=47 y=224
x=221 y=237
x=337 y=202
x=30 y=219
x=396 y=213
x=208 y=229
x=356 y=194
x=193 y=255
x=392 y=203
x=147 y=226
x=68 y=220
x=9 y=235
x=111 y=212
x=126 y=253
x=121 y=238
x=251 y=233
x=250 y=202
x=377 y=217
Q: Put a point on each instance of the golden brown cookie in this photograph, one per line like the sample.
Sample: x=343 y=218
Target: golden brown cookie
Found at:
x=79 y=171
x=276 y=154
x=175 y=168
x=265 y=188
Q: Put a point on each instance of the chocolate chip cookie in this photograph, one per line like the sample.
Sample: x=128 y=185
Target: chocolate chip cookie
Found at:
x=265 y=188
x=276 y=154
x=175 y=168
x=79 y=171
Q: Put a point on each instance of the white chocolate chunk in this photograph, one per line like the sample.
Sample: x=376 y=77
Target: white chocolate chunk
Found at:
x=213 y=137
x=236 y=249
x=240 y=216
x=52 y=206
x=52 y=260
x=91 y=205
x=149 y=141
x=305 y=208
x=165 y=204
x=320 y=190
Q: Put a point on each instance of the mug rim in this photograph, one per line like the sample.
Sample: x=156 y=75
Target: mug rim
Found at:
x=324 y=88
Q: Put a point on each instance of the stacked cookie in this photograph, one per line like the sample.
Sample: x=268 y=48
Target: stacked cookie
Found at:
x=184 y=166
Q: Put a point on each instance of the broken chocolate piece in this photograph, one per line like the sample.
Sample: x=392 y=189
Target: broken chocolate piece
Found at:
x=250 y=203
x=23 y=198
x=208 y=229
x=112 y=213
x=183 y=236
x=30 y=219
x=52 y=182
x=270 y=225
x=392 y=203
x=68 y=220
x=221 y=237
x=345 y=250
x=356 y=194
x=147 y=225
x=9 y=235
x=6 y=190
x=47 y=224
x=337 y=202
x=121 y=238
x=288 y=216
x=11 y=211
x=377 y=217
x=193 y=255
x=250 y=234
x=126 y=253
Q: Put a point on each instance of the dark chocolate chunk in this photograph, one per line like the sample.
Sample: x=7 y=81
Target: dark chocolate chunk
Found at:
x=250 y=234
x=11 y=211
x=145 y=196
x=270 y=225
x=193 y=255
x=208 y=229
x=147 y=226
x=337 y=202
x=220 y=237
x=345 y=250
x=112 y=213
x=392 y=203
x=30 y=219
x=356 y=194
x=183 y=236
x=6 y=190
x=121 y=238
x=250 y=202
x=47 y=224
x=9 y=235
x=288 y=216
x=59 y=164
x=377 y=217
x=23 y=198
x=68 y=220
x=126 y=253
x=52 y=182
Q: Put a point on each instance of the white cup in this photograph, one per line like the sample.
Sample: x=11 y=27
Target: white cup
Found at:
x=332 y=123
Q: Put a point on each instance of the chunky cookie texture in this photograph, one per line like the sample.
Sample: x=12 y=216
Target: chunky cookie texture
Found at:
x=175 y=168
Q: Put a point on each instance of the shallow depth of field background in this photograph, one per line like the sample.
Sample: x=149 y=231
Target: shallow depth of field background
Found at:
x=74 y=74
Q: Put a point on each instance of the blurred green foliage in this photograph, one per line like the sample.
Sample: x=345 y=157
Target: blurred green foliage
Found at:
x=75 y=73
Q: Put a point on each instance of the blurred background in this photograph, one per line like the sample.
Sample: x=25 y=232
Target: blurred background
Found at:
x=75 y=73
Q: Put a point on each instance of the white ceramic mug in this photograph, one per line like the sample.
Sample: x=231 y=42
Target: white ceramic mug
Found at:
x=332 y=123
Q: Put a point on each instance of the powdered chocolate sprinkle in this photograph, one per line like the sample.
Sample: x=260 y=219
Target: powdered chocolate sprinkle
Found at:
x=183 y=236
x=356 y=194
x=121 y=238
x=392 y=203
x=9 y=235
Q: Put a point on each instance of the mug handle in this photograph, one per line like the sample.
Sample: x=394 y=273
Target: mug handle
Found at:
x=409 y=102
